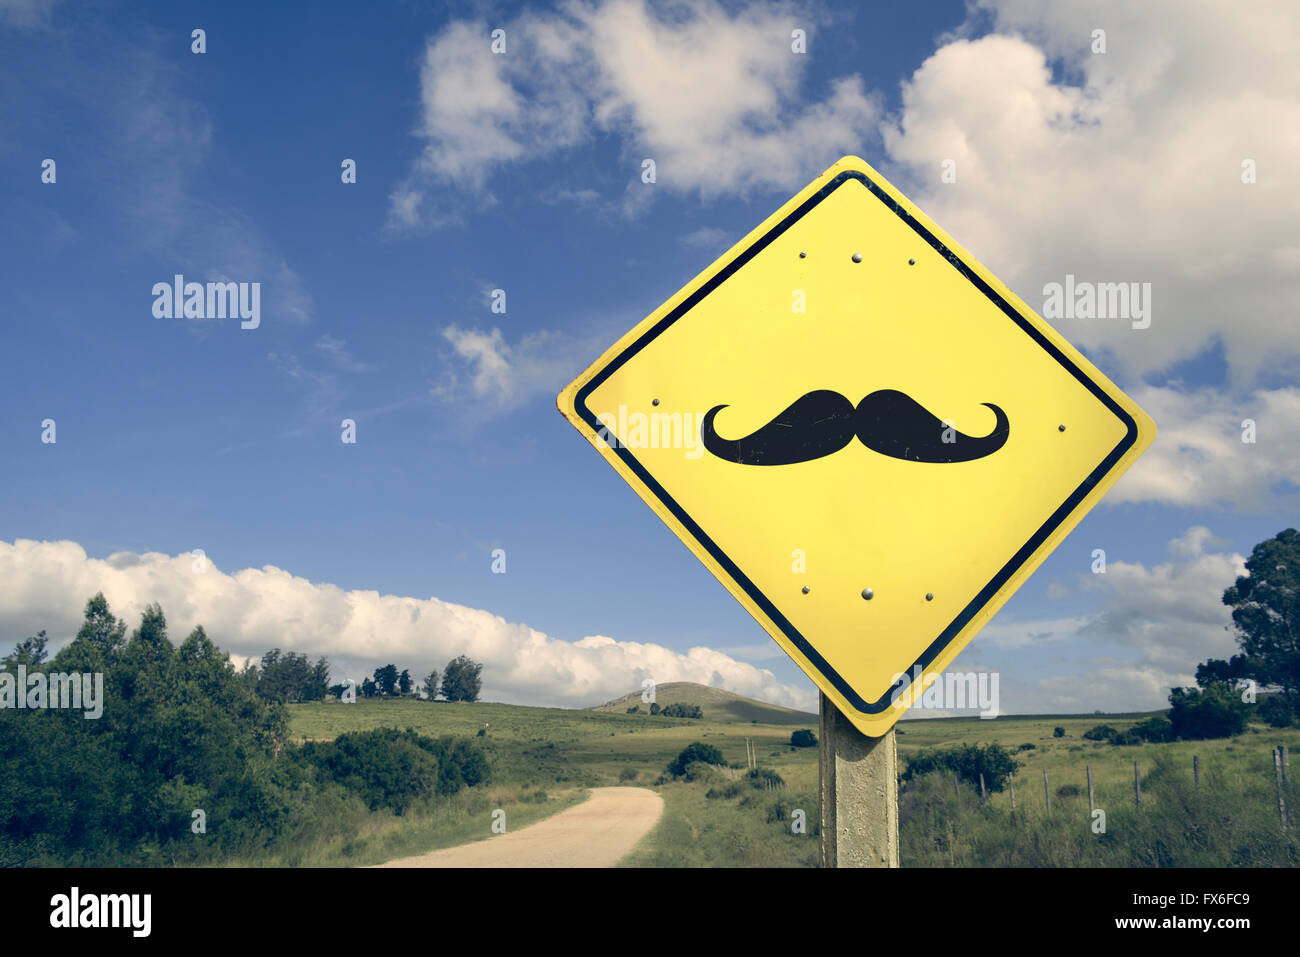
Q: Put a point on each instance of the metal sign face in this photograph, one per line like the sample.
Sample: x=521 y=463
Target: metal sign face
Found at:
x=866 y=437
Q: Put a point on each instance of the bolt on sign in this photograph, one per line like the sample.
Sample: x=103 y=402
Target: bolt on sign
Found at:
x=868 y=439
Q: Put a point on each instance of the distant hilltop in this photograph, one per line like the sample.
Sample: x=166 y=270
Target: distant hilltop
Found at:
x=717 y=705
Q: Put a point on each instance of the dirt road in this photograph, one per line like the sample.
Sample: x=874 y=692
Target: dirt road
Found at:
x=596 y=833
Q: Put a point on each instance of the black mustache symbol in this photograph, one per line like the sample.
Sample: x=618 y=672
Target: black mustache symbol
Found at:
x=823 y=422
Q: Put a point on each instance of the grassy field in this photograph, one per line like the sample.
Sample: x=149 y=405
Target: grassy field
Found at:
x=720 y=820
x=1230 y=819
x=554 y=746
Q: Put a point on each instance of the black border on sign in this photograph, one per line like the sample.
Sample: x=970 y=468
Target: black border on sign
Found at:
x=986 y=594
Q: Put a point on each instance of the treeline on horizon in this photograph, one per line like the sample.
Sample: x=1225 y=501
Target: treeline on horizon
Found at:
x=291 y=678
x=191 y=760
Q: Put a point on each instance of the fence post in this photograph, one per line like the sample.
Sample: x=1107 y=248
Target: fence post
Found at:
x=1137 y=785
x=1012 y=780
x=983 y=796
x=1047 y=794
x=1281 y=792
x=1092 y=805
x=1196 y=769
x=1286 y=762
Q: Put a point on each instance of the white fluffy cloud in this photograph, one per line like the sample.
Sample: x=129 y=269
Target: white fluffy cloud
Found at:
x=1172 y=613
x=1152 y=627
x=494 y=374
x=1200 y=459
x=710 y=93
x=249 y=611
x=1124 y=166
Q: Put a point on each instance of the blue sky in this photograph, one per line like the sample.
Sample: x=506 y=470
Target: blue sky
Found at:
x=521 y=172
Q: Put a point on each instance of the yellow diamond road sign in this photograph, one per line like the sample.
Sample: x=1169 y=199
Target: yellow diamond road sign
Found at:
x=869 y=439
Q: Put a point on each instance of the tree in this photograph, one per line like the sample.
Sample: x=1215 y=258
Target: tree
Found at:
x=291 y=677
x=100 y=628
x=460 y=679
x=1218 y=671
x=1214 y=712
x=320 y=680
x=180 y=729
x=803 y=738
x=1265 y=605
x=386 y=680
x=431 y=685
x=146 y=658
x=30 y=652
x=368 y=688
x=1058 y=732
x=404 y=683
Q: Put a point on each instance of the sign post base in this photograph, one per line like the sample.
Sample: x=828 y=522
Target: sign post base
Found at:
x=859 y=794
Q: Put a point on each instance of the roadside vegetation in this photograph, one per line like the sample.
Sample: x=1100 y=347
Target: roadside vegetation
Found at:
x=184 y=760
x=194 y=762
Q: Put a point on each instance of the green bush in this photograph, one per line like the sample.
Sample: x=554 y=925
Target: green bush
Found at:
x=1101 y=732
x=1213 y=712
x=696 y=751
x=1156 y=728
x=1278 y=712
x=803 y=739
x=1068 y=791
x=180 y=729
x=1027 y=747
x=701 y=771
x=681 y=710
x=780 y=810
x=394 y=769
x=764 y=779
x=968 y=762
x=627 y=774
x=1058 y=732
x=726 y=792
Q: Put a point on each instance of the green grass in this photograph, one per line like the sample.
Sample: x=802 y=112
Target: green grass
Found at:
x=750 y=828
x=1231 y=819
x=1246 y=757
x=552 y=746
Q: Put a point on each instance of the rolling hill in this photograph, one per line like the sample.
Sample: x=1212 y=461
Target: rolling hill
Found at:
x=717 y=705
